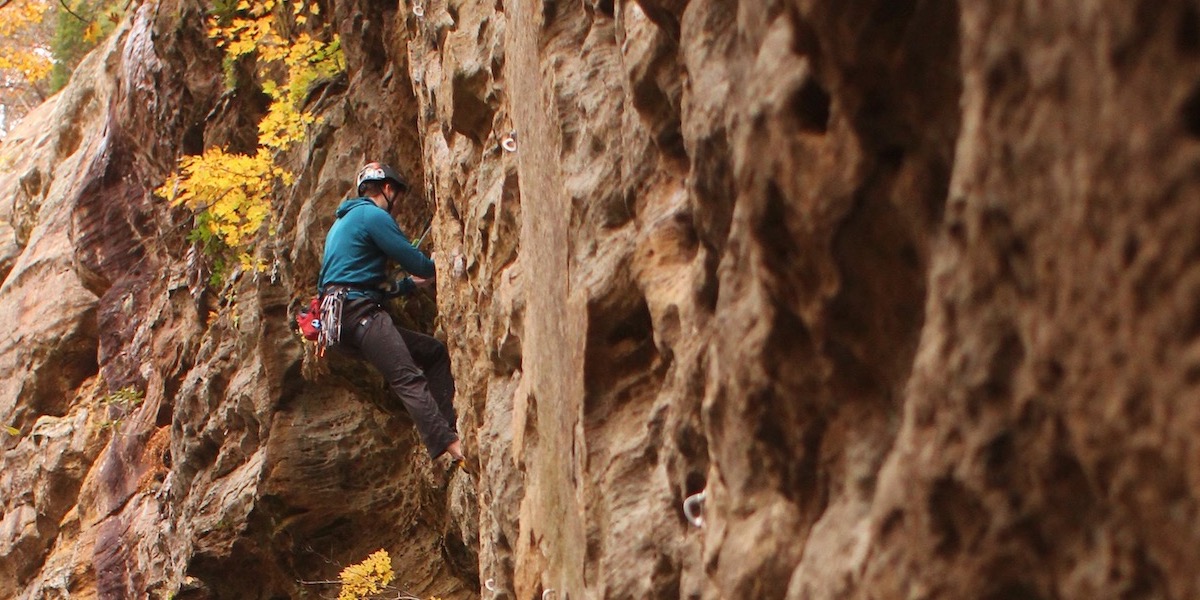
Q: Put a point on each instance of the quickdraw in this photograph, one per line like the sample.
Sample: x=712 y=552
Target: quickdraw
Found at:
x=321 y=320
x=331 y=319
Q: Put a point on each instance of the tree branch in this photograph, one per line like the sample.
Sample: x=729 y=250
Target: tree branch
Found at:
x=62 y=3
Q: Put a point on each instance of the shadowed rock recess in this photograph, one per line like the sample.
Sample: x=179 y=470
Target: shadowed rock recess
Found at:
x=909 y=289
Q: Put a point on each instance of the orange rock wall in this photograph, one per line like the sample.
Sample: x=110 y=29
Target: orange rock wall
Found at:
x=905 y=288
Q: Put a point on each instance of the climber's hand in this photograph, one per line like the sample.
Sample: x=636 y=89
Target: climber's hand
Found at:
x=422 y=282
x=458 y=462
x=394 y=288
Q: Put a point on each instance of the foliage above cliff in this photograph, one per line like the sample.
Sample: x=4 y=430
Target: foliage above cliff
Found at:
x=25 y=59
x=79 y=26
x=230 y=192
x=41 y=43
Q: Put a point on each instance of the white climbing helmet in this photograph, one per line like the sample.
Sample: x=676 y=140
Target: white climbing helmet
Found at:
x=374 y=171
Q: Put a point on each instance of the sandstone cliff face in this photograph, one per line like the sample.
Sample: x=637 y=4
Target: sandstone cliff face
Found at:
x=905 y=288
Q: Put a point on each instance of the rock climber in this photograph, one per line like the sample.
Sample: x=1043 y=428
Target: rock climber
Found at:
x=353 y=285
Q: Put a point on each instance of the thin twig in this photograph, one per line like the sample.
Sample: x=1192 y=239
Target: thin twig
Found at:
x=63 y=3
x=324 y=582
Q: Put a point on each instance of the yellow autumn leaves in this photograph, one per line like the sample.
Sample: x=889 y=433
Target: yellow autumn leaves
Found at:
x=41 y=43
x=370 y=578
x=366 y=578
x=284 y=125
x=231 y=192
x=28 y=61
x=258 y=29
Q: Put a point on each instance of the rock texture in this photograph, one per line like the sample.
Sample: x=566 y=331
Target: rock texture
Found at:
x=232 y=476
x=906 y=288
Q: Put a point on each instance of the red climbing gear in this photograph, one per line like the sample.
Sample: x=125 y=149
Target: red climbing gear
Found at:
x=308 y=320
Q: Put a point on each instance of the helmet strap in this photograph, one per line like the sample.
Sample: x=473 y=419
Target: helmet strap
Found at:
x=390 y=199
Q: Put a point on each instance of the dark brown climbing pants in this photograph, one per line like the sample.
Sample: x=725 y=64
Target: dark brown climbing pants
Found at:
x=416 y=367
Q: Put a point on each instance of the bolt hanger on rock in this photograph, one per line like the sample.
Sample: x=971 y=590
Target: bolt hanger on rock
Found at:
x=509 y=142
x=693 y=508
x=460 y=266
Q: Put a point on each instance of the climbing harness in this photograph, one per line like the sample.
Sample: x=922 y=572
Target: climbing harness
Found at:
x=321 y=320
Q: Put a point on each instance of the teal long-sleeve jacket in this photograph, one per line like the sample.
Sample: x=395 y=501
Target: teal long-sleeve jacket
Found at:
x=359 y=244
